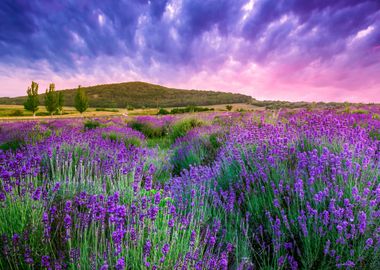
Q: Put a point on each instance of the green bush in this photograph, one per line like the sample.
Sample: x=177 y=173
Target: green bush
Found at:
x=42 y=114
x=17 y=113
x=148 y=129
x=190 y=109
x=116 y=137
x=132 y=141
x=11 y=145
x=374 y=135
x=91 y=124
x=360 y=111
x=180 y=128
x=214 y=141
x=163 y=112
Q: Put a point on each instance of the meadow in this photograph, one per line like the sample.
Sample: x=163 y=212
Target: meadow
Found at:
x=288 y=189
x=18 y=112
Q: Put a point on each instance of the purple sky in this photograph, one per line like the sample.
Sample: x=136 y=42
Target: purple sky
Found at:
x=289 y=50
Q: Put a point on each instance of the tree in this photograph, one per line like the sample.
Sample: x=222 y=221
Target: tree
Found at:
x=229 y=107
x=61 y=101
x=32 y=101
x=81 y=100
x=51 y=99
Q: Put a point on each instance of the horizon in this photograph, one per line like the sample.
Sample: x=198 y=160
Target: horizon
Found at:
x=263 y=100
x=316 y=51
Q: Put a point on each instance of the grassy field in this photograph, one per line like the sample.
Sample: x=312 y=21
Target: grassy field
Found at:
x=18 y=112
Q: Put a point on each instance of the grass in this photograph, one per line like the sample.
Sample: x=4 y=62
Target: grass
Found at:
x=18 y=112
x=106 y=110
x=128 y=141
x=180 y=128
x=161 y=142
x=148 y=129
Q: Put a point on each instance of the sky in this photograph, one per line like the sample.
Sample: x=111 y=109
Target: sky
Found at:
x=311 y=50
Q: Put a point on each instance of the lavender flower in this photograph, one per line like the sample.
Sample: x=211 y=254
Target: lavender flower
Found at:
x=165 y=249
x=362 y=217
x=45 y=261
x=37 y=194
x=147 y=248
x=120 y=264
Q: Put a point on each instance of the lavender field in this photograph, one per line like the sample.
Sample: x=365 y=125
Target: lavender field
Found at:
x=262 y=190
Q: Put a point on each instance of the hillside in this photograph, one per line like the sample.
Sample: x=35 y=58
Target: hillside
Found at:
x=141 y=94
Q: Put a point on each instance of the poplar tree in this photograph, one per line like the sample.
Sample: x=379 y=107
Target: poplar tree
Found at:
x=61 y=101
x=51 y=99
x=32 y=101
x=81 y=100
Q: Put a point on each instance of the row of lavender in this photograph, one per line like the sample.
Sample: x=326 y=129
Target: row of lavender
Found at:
x=233 y=191
x=303 y=193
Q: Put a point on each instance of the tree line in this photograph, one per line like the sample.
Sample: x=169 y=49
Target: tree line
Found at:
x=54 y=100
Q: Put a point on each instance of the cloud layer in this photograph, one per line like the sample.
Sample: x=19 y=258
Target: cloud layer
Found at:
x=272 y=49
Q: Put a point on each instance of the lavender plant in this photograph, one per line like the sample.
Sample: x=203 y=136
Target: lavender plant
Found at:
x=291 y=190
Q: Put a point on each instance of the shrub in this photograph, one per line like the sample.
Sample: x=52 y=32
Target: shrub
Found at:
x=91 y=124
x=128 y=141
x=148 y=129
x=180 y=128
x=360 y=111
x=214 y=141
x=132 y=141
x=42 y=114
x=163 y=112
x=11 y=145
x=190 y=109
x=374 y=135
x=17 y=113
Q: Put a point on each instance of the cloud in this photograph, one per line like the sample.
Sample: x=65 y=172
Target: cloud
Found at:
x=275 y=45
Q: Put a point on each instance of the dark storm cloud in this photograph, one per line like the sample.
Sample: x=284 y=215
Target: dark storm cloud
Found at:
x=333 y=22
x=60 y=31
x=66 y=34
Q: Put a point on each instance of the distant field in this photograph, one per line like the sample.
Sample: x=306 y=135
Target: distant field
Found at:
x=18 y=111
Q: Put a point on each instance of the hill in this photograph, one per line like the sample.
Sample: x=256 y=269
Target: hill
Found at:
x=141 y=94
